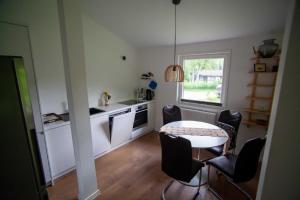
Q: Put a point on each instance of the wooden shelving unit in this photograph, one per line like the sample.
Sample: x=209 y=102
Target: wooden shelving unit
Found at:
x=254 y=123
x=248 y=110
x=260 y=85
x=256 y=116
x=259 y=98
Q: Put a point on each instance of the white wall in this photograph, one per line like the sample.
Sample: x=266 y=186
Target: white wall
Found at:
x=42 y=19
x=156 y=60
x=103 y=51
x=280 y=169
x=106 y=71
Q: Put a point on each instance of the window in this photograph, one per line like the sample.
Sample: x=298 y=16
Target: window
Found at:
x=205 y=79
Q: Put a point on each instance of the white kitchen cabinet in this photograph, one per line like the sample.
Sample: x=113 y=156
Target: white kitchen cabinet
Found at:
x=100 y=134
x=60 y=150
x=60 y=146
x=122 y=126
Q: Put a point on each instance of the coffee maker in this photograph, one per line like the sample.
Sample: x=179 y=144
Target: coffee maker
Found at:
x=149 y=94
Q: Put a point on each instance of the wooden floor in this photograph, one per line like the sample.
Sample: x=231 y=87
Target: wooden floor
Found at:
x=132 y=172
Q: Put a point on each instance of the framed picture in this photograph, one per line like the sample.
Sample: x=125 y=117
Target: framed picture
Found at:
x=260 y=67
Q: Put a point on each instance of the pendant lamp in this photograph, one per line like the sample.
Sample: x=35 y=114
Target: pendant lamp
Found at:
x=174 y=73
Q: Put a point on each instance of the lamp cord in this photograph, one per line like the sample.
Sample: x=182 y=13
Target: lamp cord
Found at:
x=174 y=68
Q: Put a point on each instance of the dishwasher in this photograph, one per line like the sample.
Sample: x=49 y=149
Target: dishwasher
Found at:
x=121 y=126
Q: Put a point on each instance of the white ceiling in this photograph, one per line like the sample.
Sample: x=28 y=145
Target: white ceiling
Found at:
x=151 y=22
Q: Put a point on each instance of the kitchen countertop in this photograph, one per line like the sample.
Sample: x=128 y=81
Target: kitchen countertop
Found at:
x=114 y=107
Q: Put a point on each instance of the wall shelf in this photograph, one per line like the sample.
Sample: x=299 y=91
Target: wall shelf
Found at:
x=251 y=72
x=276 y=58
x=260 y=85
x=260 y=98
x=257 y=117
x=248 y=110
x=254 y=123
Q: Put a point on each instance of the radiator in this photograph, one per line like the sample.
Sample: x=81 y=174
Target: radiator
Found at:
x=198 y=115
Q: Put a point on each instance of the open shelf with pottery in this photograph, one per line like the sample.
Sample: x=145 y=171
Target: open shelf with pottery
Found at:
x=262 y=90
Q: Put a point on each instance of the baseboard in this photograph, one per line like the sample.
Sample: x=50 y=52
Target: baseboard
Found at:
x=93 y=196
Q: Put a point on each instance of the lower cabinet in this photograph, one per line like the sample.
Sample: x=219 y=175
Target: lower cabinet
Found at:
x=121 y=128
x=60 y=150
x=100 y=134
x=60 y=146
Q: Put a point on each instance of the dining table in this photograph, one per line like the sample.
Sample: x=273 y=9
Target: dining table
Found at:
x=202 y=135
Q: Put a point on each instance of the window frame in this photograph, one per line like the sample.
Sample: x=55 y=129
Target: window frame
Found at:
x=225 y=79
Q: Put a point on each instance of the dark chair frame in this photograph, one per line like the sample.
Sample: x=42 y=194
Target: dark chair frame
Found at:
x=230 y=122
x=171 y=113
x=228 y=179
x=239 y=161
x=199 y=172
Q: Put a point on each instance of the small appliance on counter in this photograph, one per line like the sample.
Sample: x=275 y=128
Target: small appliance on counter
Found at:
x=140 y=94
x=149 y=94
x=143 y=94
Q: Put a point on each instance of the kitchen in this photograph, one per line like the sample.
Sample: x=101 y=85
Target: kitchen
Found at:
x=115 y=125
x=113 y=85
x=114 y=69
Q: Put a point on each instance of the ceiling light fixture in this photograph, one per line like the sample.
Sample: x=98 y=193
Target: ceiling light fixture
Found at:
x=174 y=73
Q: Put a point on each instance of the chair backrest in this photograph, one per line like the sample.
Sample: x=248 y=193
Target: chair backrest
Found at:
x=247 y=160
x=176 y=156
x=171 y=113
x=231 y=133
x=232 y=118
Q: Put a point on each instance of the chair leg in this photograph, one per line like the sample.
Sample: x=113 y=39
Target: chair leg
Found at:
x=200 y=178
x=165 y=190
x=198 y=189
x=228 y=180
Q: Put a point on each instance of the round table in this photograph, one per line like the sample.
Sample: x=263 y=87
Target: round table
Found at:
x=197 y=141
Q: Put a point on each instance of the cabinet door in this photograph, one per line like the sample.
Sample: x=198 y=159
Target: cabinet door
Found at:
x=122 y=128
x=100 y=134
x=60 y=150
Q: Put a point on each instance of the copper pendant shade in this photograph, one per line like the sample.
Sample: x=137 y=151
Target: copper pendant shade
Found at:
x=174 y=73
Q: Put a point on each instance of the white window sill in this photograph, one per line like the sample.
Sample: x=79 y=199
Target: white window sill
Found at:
x=201 y=107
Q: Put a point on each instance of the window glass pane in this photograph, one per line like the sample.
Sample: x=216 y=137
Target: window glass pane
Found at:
x=203 y=79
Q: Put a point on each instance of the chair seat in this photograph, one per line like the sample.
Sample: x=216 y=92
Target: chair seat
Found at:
x=216 y=150
x=224 y=163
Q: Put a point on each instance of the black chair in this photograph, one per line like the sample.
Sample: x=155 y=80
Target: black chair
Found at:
x=171 y=113
x=239 y=168
x=177 y=161
x=228 y=120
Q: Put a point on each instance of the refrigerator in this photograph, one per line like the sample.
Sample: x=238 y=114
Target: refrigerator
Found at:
x=22 y=175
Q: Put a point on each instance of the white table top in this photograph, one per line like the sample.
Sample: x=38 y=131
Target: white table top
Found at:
x=199 y=141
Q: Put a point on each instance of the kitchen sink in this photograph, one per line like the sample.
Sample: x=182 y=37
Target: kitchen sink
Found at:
x=94 y=111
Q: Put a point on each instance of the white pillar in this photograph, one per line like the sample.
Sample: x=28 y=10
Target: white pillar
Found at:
x=74 y=65
x=280 y=172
